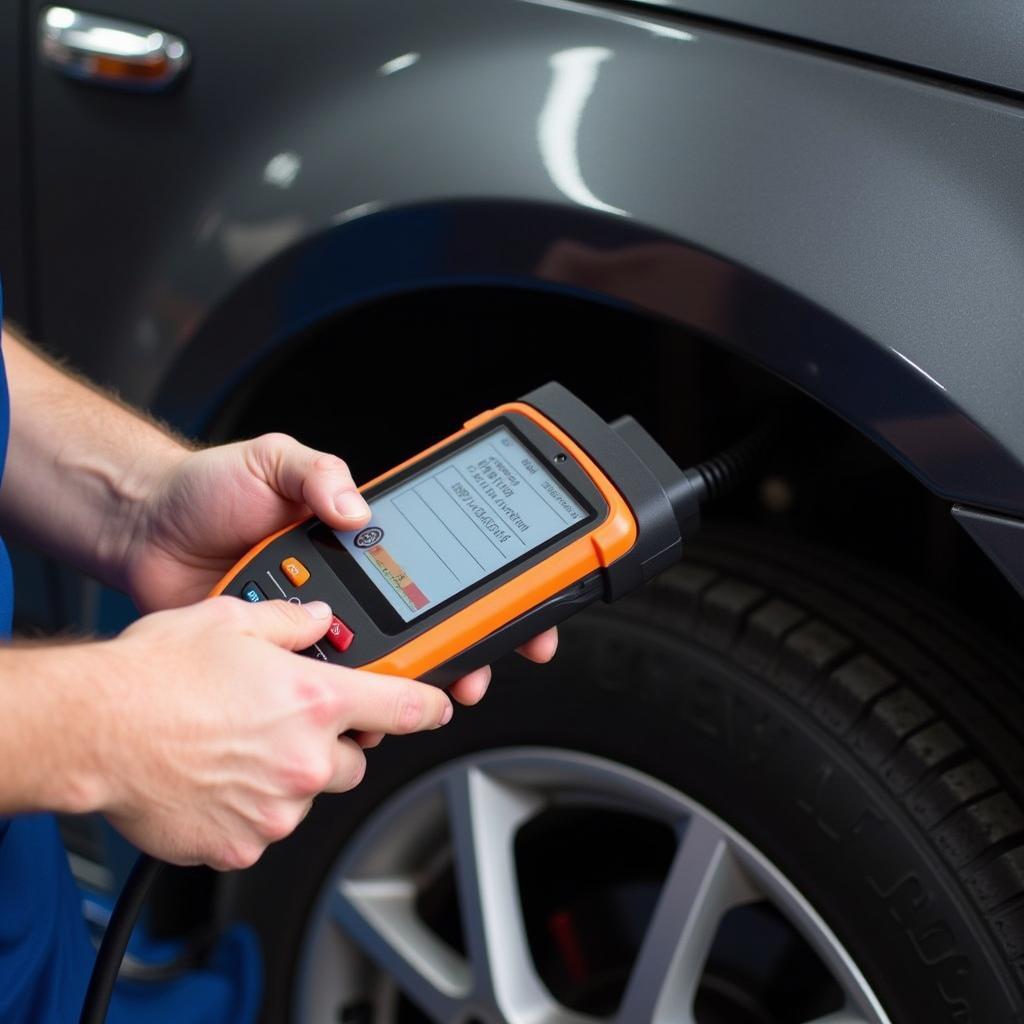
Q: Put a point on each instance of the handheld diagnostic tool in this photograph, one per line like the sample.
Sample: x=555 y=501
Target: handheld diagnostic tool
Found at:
x=532 y=511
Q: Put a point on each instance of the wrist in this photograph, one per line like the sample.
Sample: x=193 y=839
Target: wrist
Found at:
x=64 y=727
x=101 y=737
x=136 y=491
x=80 y=465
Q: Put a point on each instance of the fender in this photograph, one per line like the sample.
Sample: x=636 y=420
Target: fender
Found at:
x=856 y=230
x=913 y=32
x=608 y=260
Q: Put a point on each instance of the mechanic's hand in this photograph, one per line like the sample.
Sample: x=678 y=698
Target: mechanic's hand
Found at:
x=211 y=506
x=218 y=737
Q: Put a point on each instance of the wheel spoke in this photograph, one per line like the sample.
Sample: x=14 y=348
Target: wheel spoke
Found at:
x=379 y=915
x=484 y=817
x=703 y=882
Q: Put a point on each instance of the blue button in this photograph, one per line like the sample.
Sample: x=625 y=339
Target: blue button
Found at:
x=251 y=592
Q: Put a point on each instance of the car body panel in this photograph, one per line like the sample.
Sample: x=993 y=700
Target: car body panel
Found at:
x=856 y=231
x=979 y=41
x=1000 y=537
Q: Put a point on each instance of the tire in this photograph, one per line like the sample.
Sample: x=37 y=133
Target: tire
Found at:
x=857 y=734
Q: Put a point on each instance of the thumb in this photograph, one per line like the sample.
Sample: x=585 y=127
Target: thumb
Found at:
x=316 y=479
x=291 y=626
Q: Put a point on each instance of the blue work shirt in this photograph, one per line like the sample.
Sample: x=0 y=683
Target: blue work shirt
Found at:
x=46 y=954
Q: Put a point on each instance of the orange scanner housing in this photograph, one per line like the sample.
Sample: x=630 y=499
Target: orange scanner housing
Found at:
x=607 y=541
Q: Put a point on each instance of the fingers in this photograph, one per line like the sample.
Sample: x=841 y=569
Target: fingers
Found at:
x=542 y=647
x=291 y=626
x=317 y=479
x=368 y=740
x=471 y=689
x=349 y=766
x=368 y=702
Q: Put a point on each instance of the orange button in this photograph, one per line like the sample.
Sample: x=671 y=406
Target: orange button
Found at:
x=296 y=572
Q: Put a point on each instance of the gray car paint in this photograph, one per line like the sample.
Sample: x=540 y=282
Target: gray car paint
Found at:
x=874 y=216
x=980 y=41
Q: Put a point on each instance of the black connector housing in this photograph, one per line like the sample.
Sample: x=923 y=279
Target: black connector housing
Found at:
x=664 y=499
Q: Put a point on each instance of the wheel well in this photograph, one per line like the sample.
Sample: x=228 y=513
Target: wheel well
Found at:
x=389 y=377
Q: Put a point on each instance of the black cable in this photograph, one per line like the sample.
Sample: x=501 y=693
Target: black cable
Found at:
x=722 y=472
x=115 y=939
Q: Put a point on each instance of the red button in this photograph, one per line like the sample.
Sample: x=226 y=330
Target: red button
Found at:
x=339 y=636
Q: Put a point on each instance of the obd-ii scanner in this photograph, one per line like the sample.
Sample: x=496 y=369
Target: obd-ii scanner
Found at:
x=531 y=512
x=528 y=514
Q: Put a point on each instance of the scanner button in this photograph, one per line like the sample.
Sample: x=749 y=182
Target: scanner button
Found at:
x=339 y=636
x=252 y=592
x=295 y=571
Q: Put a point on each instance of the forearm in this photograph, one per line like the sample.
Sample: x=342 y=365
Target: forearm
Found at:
x=53 y=725
x=79 y=465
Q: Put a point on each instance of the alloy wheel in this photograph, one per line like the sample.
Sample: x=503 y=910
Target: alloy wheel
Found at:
x=380 y=946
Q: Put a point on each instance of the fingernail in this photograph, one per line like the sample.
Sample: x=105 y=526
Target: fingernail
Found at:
x=351 y=505
x=317 y=609
x=446 y=715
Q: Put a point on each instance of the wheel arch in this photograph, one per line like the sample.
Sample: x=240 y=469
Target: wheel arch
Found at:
x=606 y=260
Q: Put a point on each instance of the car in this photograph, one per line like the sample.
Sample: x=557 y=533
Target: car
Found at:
x=784 y=783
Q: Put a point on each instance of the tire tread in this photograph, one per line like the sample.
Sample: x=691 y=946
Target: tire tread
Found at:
x=908 y=687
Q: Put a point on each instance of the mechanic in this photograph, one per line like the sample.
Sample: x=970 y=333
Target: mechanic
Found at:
x=197 y=732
